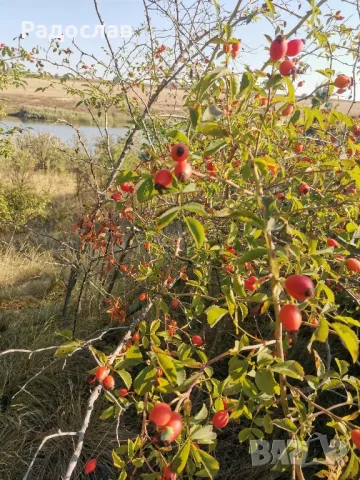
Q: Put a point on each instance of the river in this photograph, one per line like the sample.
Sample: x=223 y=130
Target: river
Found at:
x=64 y=132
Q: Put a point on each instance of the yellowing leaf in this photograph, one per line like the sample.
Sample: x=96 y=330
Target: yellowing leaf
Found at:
x=349 y=339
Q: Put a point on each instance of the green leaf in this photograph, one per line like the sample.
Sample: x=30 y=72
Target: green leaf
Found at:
x=196 y=229
x=322 y=332
x=291 y=89
x=286 y=424
x=244 y=434
x=109 y=412
x=167 y=217
x=122 y=476
x=118 y=463
x=133 y=356
x=270 y=6
x=167 y=364
x=145 y=380
x=352 y=467
x=289 y=368
x=209 y=79
x=309 y=117
x=195 y=115
x=265 y=382
x=212 y=112
x=214 y=147
x=211 y=466
x=195 y=208
x=234 y=86
x=253 y=254
x=349 y=339
x=246 y=82
x=180 y=460
x=295 y=116
x=214 y=314
x=146 y=190
x=66 y=349
x=203 y=434
x=126 y=377
x=247 y=216
x=179 y=136
x=201 y=415
x=213 y=129
x=126 y=176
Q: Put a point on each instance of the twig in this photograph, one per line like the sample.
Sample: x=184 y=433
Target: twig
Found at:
x=44 y=440
x=96 y=393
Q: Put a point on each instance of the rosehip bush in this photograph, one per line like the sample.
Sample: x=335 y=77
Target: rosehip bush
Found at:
x=233 y=230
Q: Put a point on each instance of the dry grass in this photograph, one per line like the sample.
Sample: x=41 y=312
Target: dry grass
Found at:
x=21 y=265
x=59 y=186
x=170 y=100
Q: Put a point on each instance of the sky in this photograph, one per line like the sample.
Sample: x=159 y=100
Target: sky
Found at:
x=131 y=12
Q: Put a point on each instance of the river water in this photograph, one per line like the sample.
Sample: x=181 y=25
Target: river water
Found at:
x=64 y=132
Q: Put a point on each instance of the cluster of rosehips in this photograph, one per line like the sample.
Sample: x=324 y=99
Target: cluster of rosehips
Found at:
x=183 y=171
x=102 y=375
x=302 y=288
x=160 y=51
x=124 y=187
x=167 y=423
x=280 y=48
x=232 y=48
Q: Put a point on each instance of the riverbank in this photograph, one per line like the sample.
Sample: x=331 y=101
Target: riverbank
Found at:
x=77 y=117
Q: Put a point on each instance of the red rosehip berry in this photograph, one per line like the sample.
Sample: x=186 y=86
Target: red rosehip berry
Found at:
x=290 y=317
x=278 y=48
x=300 y=287
x=220 y=419
x=197 y=340
x=180 y=152
x=90 y=466
x=294 y=47
x=109 y=382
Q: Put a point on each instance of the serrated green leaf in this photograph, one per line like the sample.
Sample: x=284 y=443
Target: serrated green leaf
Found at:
x=197 y=230
x=214 y=314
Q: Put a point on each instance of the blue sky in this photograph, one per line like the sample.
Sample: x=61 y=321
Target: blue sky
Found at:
x=131 y=12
